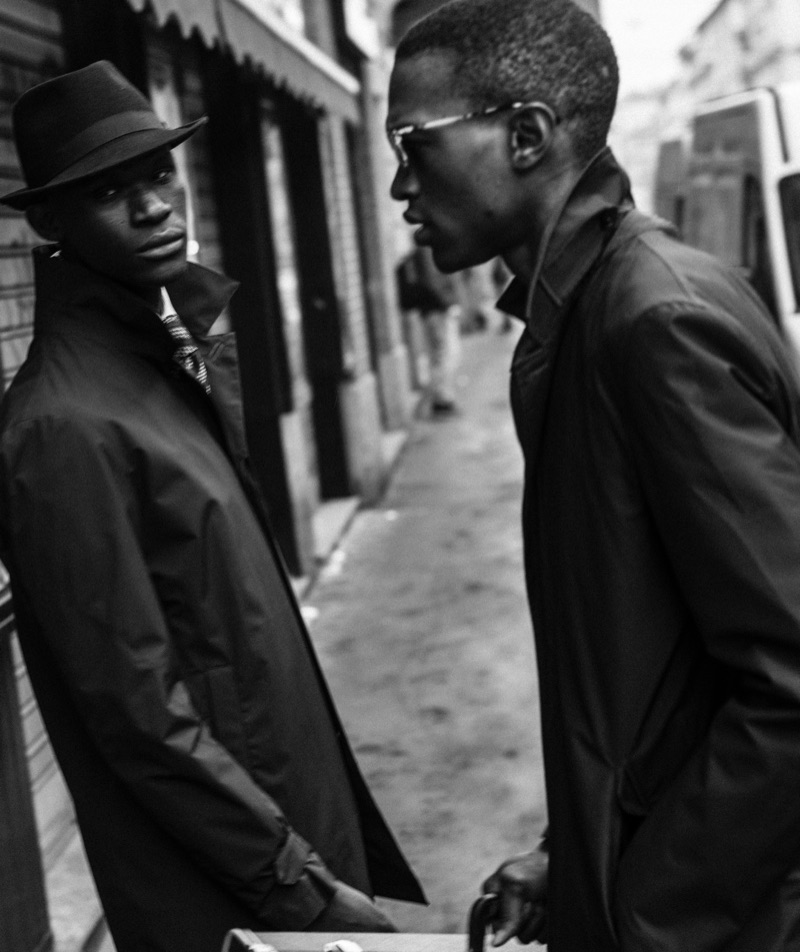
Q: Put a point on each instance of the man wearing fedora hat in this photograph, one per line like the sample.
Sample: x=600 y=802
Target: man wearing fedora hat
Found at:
x=211 y=777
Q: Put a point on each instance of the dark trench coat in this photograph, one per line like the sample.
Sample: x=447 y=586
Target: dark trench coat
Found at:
x=175 y=676
x=658 y=410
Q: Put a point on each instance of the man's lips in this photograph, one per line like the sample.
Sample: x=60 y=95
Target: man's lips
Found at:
x=422 y=230
x=164 y=244
x=424 y=234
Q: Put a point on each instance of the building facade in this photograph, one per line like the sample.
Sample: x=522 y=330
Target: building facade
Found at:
x=740 y=44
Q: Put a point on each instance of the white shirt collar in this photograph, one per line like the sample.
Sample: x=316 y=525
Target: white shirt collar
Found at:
x=167 y=307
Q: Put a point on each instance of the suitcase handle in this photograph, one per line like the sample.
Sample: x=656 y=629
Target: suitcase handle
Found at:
x=480 y=915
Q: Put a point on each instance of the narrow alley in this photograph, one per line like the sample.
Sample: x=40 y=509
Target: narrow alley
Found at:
x=421 y=623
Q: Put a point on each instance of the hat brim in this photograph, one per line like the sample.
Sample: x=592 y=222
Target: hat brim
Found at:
x=107 y=156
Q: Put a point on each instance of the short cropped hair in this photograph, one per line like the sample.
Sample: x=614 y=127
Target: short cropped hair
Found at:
x=550 y=51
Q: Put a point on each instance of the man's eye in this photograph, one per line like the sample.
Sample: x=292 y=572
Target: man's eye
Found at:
x=105 y=194
x=413 y=148
x=160 y=176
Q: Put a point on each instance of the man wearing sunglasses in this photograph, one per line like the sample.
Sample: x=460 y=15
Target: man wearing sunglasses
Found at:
x=658 y=410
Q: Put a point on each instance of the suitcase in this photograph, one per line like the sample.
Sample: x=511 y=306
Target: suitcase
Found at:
x=244 y=940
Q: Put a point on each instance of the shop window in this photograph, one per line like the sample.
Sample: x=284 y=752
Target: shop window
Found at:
x=283 y=235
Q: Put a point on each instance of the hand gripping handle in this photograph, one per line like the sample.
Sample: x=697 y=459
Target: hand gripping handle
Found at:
x=480 y=915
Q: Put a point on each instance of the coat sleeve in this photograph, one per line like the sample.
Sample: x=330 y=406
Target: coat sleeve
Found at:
x=75 y=551
x=714 y=433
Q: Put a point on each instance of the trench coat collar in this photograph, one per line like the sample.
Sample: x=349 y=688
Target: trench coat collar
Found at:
x=578 y=234
x=71 y=298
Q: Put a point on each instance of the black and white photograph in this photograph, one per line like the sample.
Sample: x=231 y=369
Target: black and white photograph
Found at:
x=399 y=475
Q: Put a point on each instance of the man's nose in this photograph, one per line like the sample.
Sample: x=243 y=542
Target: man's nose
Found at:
x=146 y=205
x=404 y=184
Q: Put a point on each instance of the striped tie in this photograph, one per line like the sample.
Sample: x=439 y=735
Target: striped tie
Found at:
x=186 y=353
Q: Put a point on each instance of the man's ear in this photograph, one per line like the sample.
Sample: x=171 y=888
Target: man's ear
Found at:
x=42 y=217
x=531 y=133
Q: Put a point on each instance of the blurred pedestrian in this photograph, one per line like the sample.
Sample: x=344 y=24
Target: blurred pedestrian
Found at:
x=658 y=409
x=211 y=778
x=434 y=295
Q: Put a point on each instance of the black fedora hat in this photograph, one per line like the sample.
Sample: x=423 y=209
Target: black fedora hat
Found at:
x=72 y=127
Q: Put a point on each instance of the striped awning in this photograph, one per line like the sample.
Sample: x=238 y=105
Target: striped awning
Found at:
x=288 y=58
x=254 y=34
x=199 y=15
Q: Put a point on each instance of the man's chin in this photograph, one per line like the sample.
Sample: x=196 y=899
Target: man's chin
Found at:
x=171 y=272
x=146 y=285
x=450 y=260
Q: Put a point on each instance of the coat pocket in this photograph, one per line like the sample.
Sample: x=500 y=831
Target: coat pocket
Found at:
x=683 y=705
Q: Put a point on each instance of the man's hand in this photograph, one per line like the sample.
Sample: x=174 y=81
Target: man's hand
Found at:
x=521 y=887
x=351 y=911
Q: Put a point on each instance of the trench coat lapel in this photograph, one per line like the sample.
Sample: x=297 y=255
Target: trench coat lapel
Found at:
x=581 y=232
x=221 y=359
x=548 y=314
x=199 y=297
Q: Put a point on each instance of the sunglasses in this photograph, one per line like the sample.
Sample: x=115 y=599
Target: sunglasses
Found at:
x=398 y=134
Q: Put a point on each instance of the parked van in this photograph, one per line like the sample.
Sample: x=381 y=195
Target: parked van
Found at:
x=735 y=191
